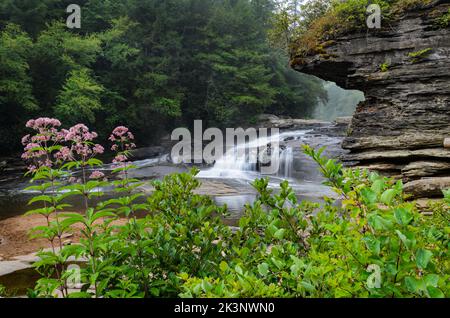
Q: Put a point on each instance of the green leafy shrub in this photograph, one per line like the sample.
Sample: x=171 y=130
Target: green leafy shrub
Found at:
x=371 y=244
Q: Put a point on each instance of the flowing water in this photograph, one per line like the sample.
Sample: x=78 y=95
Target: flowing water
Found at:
x=228 y=180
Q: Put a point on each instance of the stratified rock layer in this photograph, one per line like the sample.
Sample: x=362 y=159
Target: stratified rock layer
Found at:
x=406 y=116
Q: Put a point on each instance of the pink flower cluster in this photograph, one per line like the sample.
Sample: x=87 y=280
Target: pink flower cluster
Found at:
x=80 y=133
x=81 y=143
x=43 y=122
x=35 y=146
x=96 y=175
x=75 y=144
x=122 y=139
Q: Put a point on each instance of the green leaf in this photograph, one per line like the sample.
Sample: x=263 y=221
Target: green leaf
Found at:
x=223 y=266
x=373 y=244
x=206 y=286
x=279 y=234
x=40 y=198
x=388 y=196
x=369 y=196
x=403 y=216
x=402 y=237
x=412 y=284
x=435 y=292
x=378 y=186
x=379 y=223
x=431 y=280
x=423 y=257
x=238 y=269
x=263 y=269
x=307 y=286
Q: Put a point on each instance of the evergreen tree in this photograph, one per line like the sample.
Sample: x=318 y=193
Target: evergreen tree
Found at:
x=149 y=64
x=16 y=91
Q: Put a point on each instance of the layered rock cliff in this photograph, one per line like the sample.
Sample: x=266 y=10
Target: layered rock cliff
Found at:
x=404 y=71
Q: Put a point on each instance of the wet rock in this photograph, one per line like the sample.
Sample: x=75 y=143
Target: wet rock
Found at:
x=447 y=143
x=335 y=130
x=399 y=154
x=427 y=187
x=410 y=140
x=426 y=168
x=7 y=267
x=406 y=113
x=385 y=169
x=272 y=121
x=147 y=152
x=267 y=117
x=345 y=120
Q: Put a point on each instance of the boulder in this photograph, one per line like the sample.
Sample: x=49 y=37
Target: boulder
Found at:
x=426 y=168
x=405 y=117
x=147 y=152
x=345 y=120
x=267 y=117
x=427 y=187
x=408 y=140
x=447 y=143
x=285 y=122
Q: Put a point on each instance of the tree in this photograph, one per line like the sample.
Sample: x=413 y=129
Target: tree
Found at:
x=56 y=53
x=80 y=98
x=16 y=90
x=151 y=65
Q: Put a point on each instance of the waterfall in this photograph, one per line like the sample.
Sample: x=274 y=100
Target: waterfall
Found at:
x=235 y=162
x=286 y=163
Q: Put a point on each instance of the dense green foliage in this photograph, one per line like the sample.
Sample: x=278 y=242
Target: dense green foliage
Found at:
x=372 y=244
x=306 y=28
x=150 y=64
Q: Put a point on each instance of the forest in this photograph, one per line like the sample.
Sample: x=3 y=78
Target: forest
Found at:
x=151 y=65
x=358 y=206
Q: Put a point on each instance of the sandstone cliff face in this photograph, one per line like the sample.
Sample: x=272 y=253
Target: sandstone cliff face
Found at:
x=401 y=127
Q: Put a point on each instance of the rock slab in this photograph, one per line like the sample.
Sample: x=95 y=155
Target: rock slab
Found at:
x=405 y=119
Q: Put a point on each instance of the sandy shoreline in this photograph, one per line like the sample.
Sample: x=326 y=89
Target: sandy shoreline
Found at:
x=15 y=239
x=15 y=236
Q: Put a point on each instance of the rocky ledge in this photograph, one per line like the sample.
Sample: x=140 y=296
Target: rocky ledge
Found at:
x=404 y=71
x=337 y=128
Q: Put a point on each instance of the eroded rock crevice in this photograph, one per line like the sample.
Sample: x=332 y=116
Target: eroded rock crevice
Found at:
x=401 y=126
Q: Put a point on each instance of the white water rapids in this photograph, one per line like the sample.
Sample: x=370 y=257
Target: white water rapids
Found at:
x=235 y=162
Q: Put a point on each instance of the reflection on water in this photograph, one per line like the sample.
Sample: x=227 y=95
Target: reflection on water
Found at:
x=230 y=172
x=235 y=204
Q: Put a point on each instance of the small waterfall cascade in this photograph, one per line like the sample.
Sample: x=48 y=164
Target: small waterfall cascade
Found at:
x=235 y=162
x=286 y=163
